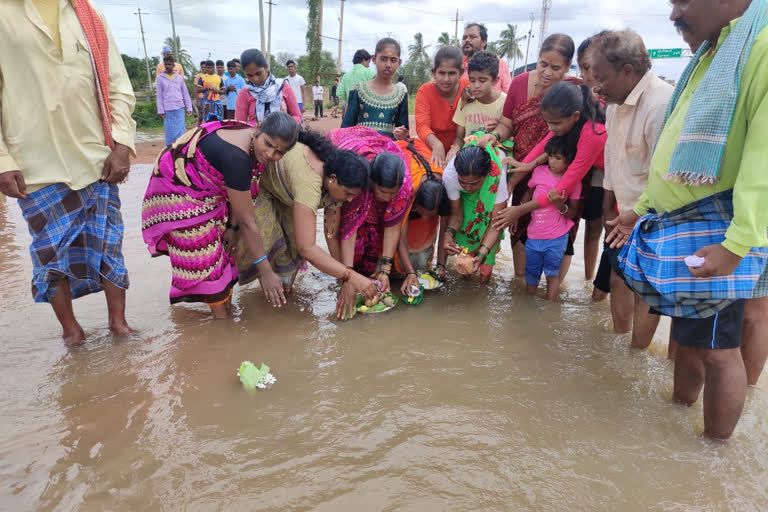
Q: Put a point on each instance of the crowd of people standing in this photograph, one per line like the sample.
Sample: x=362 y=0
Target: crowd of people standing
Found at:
x=672 y=174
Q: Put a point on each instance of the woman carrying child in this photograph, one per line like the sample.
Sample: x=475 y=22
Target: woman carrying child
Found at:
x=198 y=195
x=476 y=185
x=522 y=121
x=572 y=113
x=314 y=175
x=370 y=224
x=379 y=104
x=550 y=226
x=437 y=101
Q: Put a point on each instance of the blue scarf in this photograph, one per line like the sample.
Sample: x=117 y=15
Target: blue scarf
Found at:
x=269 y=96
x=698 y=154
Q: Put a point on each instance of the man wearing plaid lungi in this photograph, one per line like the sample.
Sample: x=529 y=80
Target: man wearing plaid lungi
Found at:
x=698 y=253
x=64 y=149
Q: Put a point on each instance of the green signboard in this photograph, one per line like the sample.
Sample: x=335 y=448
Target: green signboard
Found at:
x=666 y=53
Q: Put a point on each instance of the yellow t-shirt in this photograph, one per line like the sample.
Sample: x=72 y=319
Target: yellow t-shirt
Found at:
x=209 y=80
x=473 y=115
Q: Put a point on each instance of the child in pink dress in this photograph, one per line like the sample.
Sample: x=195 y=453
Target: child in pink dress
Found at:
x=550 y=226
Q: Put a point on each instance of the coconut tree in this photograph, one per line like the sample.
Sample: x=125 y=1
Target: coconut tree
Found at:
x=181 y=55
x=418 y=50
x=444 y=40
x=509 y=44
x=493 y=47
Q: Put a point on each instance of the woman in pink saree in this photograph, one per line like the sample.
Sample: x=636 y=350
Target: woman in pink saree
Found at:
x=370 y=225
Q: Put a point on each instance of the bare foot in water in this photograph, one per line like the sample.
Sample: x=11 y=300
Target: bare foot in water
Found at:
x=220 y=311
x=598 y=295
x=120 y=328
x=74 y=338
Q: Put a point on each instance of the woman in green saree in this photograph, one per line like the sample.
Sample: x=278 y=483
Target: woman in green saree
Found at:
x=476 y=184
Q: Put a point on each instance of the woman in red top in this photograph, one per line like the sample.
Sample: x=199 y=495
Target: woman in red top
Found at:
x=522 y=121
x=436 y=102
x=571 y=112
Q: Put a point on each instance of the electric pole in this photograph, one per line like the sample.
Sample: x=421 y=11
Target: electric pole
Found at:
x=173 y=28
x=528 y=46
x=456 y=32
x=341 y=28
x=261 y=25
x=146 y=56
x=270 y=3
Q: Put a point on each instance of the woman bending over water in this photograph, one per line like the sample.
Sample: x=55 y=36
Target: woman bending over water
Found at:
x=476 y=185
x=312 y=176
x=429 y=211
x=370 y=224
x=199 y=194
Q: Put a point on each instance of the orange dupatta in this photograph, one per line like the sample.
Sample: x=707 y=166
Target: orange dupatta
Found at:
x=98 y=44
x=422 y=232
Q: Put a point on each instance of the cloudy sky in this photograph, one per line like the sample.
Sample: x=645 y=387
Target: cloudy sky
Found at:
x=223 y=28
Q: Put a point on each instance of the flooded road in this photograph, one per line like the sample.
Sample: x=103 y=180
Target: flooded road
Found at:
x=478 y=399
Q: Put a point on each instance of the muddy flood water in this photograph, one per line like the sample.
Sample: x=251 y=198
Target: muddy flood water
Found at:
x=478 y=399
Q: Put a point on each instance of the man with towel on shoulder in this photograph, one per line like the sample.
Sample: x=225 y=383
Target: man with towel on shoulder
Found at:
x=698 y=253
x=64 y=149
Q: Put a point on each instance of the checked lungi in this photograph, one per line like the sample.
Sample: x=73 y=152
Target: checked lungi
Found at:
x=76 y=234
x=653 y=260
x=174 y=124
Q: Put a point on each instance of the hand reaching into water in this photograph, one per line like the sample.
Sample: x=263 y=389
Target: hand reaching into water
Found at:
x=273 y=288
x=345 y=306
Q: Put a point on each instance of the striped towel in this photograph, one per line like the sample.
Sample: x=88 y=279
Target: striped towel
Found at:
x=653 y=266
x=699 y=150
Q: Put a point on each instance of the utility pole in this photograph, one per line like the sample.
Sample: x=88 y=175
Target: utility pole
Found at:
x=528 y=46
x=173 y=27
x=146 y=56
x=456 y=32
x=261 y=25
x=341 y=28
x=270 y=3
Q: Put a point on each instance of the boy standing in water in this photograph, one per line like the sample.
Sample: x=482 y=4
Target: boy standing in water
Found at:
x=550 y=226
x=484 y=112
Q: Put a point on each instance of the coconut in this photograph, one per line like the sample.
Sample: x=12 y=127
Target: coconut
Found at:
x=464 y=264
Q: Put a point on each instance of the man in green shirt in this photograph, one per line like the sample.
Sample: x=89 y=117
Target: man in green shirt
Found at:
x=360 y=72
x=709 y=355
